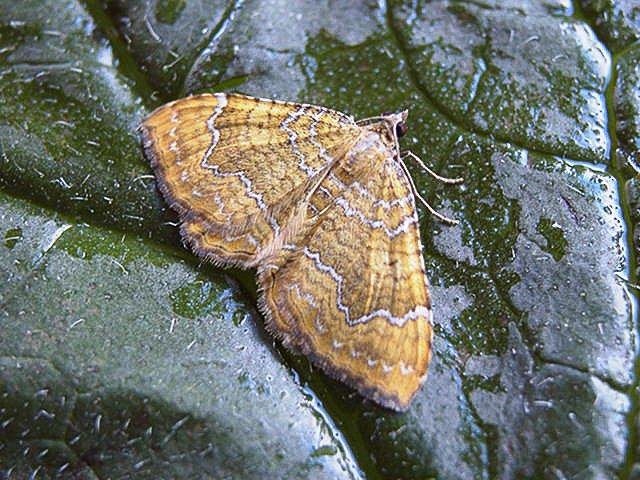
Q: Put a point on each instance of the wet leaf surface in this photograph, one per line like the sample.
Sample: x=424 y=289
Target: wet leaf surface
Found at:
x=122 y=355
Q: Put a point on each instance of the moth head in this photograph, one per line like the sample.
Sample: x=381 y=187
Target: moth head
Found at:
x=397 y=122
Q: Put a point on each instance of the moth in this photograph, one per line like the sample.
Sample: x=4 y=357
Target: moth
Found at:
x=324 y=208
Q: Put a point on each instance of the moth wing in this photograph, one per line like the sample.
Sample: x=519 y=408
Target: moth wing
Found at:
x=233 y=166
x=352 y=293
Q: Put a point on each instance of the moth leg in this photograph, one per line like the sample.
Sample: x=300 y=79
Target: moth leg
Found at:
x=434 y=212
x=409 y=153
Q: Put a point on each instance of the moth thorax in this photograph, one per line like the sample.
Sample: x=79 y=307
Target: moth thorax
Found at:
x=367 y=150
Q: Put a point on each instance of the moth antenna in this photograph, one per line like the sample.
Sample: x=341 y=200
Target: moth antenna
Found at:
x=319 y=178
x=440 y=178
x=369 y=120
x=438 y=215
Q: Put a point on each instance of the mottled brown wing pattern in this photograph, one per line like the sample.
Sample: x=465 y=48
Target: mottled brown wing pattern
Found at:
x=234 y=166
x=323 y=208
x=351 y=292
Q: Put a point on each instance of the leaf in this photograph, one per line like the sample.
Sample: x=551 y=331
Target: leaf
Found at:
x=117 y=357
x=535 y=374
